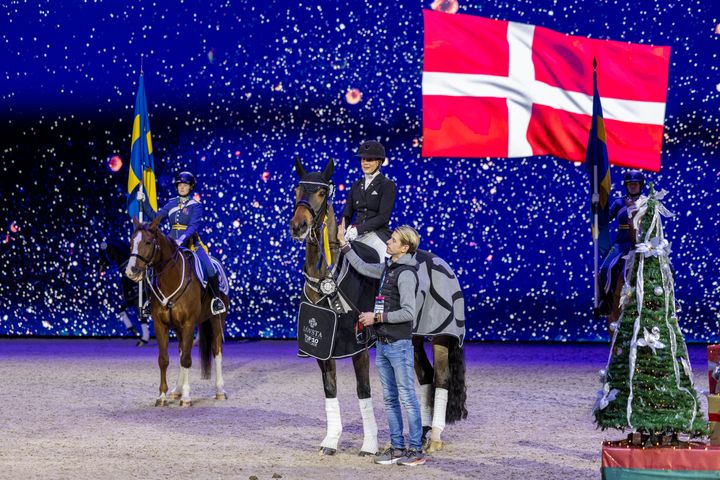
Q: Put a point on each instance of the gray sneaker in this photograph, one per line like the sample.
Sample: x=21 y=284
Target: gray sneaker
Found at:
x=412 y=458
x=389 y=456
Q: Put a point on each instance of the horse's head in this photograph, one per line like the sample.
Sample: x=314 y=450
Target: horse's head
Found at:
x=311 y=199
x=144 y=249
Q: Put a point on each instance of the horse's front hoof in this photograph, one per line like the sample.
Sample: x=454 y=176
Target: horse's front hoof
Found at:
x=221 y=396
x=365 y=454
x=186 y=403
x=435 y=446
x=161 y=402
x=327 y=452
x=174 y=396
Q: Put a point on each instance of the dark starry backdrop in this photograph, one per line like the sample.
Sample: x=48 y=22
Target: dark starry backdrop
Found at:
x=237 y=89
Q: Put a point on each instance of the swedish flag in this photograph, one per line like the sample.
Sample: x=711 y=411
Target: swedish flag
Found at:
x=596 y=155
x=142 y=165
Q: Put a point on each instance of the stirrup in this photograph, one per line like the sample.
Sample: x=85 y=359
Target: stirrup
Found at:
x=146 y=310
x=214 y=308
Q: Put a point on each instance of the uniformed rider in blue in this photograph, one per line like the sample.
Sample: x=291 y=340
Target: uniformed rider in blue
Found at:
x=185 y=216
x=614 y=264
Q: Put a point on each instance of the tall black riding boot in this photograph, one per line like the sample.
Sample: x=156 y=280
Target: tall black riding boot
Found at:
x=216 y=305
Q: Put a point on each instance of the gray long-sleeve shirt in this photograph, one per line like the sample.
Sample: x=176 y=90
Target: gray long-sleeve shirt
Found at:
x=406 y=283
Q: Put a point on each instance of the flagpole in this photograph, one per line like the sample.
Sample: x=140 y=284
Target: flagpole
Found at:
x=140 y=285
x=140 y=215
x=596 y=226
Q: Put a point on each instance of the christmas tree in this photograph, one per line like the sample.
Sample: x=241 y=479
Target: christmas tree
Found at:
x=647 y=383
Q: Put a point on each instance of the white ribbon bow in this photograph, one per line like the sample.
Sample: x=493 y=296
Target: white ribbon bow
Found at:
x=651 y=340
x=605 y=396
x=656 y=247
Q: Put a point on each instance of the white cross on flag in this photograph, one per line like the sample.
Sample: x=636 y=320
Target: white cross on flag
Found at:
x=503 y=89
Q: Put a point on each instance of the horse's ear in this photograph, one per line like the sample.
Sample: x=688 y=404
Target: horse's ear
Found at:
x=136 y=223
x=328 y=172
x=299 y=168
x=155 y=223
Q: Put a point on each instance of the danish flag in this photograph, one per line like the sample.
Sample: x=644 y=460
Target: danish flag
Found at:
x=493 y=88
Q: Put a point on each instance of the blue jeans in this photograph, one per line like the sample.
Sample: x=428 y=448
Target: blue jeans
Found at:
x=394 y=362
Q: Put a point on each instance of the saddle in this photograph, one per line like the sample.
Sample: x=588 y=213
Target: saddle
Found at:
x=202 y=275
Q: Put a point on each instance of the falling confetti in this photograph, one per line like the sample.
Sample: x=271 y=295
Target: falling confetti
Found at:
x=516 y=231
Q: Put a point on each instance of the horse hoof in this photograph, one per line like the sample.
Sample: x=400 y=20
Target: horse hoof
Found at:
x=186 y=403
x=174 y=396
x=161 y=402
x=141 y=343
x=365 y=454
x=221 y=396
x=435 y=446
x=327 y=452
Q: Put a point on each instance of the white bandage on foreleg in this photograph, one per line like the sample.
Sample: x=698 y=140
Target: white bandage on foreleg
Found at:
x=370 y=442
x=125 y=319
x=425 y=408
x=438 y=421
x=334 y=424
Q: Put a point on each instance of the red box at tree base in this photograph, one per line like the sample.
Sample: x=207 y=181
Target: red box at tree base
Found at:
x=713 y=352
x=696 y=461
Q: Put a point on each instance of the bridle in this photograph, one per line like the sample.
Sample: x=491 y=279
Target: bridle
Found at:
x=156 y=247
x=162 y=298
x=317 y=216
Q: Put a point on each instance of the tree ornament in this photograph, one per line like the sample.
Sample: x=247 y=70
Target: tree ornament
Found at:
x=658 y=291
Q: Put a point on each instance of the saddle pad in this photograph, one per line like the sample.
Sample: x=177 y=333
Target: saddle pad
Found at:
x=316 y=330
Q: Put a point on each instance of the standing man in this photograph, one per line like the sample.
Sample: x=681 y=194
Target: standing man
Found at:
x=371 y=199
x=395 y=311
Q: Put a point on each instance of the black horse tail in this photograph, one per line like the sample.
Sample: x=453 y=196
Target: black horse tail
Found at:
x=206 y=337
x=457 y=392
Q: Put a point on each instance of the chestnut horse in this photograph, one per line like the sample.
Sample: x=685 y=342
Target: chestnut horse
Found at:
x=178 y=301
x=313 y=209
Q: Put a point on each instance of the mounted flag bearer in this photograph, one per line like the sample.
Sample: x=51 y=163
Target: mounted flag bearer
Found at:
x=185 y=216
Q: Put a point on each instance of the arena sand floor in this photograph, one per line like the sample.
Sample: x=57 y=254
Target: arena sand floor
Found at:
x=84 y=409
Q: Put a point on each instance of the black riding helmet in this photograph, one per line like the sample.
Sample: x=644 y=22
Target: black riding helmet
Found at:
x=185 y=177
x=371 y=149
x=634 y=176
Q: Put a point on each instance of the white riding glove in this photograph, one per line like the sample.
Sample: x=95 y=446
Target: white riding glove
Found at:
x=140 y=196
x=351 y=233
x=180 y=240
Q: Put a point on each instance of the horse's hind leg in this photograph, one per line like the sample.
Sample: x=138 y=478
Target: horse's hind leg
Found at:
x=161 y=333
x=361 y=363
x=329 y=444
x=217 y=332
x=424 y=372
x=441 y=363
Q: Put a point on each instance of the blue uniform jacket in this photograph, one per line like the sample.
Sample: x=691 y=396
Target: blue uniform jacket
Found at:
x=185 y=218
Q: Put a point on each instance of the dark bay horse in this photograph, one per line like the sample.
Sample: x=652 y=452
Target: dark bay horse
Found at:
x=313 y=210
x=178 y=302
x=440 y=316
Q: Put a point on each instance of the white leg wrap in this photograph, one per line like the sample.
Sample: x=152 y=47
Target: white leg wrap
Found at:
x=426 y=410
x=370 y=442
x=438 y=422
x=219 y=382
x=125 y=319
x=334 y=423
x=145 y=331
x=185 y=374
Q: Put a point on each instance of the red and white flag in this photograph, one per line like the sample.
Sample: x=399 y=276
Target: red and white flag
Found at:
x=503 y=89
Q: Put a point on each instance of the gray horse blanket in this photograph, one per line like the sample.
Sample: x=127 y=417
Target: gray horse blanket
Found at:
x=440 y=301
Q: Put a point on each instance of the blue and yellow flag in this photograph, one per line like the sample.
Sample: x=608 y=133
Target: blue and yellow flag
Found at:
x=142 y=165
x=596 y=155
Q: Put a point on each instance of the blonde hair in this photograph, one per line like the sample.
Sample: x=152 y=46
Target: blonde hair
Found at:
x=409 y=237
